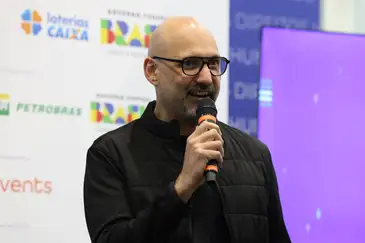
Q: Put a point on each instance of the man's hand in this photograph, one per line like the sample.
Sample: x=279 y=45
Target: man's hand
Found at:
x=204 y=144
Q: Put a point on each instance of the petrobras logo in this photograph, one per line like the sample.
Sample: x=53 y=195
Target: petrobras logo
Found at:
x=54 y=25
x=48 y=109
x=4 y=105
x=265 y=93
x=37 y=108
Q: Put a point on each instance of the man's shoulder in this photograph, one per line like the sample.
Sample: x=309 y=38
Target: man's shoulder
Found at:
x=116 y=138
x=249 y=142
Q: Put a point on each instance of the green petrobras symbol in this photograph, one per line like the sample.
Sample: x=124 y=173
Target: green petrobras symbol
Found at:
x=4 y=105
x=49 y=109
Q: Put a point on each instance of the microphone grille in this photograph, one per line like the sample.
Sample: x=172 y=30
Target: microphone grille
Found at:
x=206 y=106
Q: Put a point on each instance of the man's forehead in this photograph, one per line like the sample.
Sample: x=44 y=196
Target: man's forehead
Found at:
x=186 y=44
x=180 y=37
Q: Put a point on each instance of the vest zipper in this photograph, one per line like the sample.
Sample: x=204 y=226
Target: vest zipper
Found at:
x=190 y=222
x=224 y=209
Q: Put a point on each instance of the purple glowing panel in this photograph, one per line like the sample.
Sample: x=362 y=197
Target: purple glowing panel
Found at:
x=312 y=117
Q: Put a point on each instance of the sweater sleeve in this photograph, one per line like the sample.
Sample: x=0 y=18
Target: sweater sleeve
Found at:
x=107 y=206
x=277 y=229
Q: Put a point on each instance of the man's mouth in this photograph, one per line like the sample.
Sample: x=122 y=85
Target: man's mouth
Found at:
x=200 y=94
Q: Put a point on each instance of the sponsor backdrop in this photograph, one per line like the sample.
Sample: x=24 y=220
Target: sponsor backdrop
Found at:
x=246 y=19
x=70 y=71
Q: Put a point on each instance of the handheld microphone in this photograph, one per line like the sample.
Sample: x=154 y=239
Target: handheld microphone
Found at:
x=206 y=111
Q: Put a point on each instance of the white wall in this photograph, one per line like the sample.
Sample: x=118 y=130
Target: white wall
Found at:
x=360 y=16
x=343 y=15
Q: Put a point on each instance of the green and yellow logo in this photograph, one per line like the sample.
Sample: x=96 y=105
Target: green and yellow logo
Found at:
x=4 y=104
x=49 y=109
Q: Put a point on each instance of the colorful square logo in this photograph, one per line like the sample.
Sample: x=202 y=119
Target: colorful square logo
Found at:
x=31 y=22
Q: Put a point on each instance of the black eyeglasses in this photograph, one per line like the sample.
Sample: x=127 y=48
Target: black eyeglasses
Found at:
x=191 y=66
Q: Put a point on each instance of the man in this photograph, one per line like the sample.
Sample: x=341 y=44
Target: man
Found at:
x=144 y=182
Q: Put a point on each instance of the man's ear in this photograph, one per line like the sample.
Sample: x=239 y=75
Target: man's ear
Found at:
x=150 y=71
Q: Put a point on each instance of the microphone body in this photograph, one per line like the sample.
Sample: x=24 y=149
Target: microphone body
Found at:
x=207 y=111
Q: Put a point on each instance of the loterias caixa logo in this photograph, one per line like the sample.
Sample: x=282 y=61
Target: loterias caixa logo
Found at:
x=54 y=25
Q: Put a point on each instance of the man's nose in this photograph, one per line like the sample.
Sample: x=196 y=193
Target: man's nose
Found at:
x=204 y=76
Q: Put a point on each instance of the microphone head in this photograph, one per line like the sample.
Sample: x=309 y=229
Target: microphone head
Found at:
x=206 y=106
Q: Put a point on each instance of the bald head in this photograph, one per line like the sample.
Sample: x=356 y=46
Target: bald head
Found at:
x=179 y=49
x=177 y=36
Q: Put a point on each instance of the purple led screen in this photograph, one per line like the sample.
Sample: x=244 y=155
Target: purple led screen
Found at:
x=312 y=117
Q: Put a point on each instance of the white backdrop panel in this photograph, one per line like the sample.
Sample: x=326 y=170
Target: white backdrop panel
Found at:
x=54 y=72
